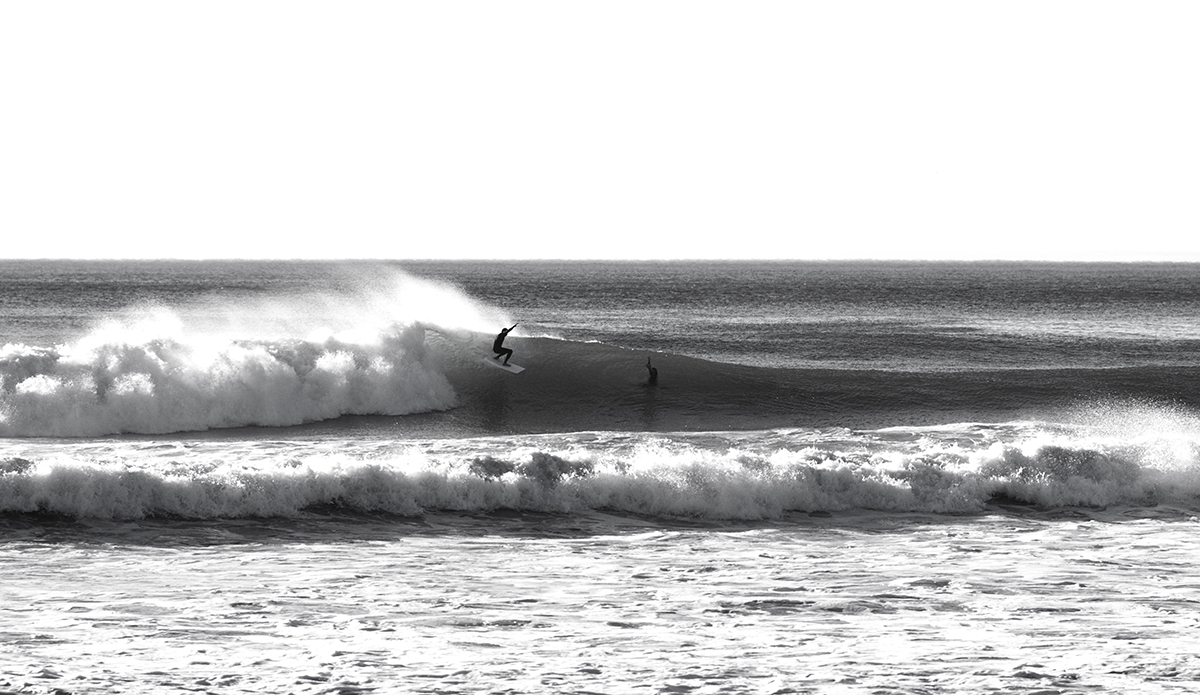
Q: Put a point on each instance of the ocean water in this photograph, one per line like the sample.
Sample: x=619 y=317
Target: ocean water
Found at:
x=848 y=477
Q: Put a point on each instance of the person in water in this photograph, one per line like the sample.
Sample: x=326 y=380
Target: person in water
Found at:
x=498 y=346
x=653 y=373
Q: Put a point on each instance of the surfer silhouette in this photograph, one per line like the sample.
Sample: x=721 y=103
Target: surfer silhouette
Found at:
x=653 y=373
x=498 y=346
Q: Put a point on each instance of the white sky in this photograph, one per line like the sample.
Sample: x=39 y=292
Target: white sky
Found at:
x=611 y=129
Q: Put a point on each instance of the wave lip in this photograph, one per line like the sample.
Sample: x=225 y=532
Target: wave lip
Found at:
x=161 y=382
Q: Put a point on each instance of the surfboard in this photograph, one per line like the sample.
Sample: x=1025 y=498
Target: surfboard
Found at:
x=510 y=367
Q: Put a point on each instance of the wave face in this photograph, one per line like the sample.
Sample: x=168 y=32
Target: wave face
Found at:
x=572 y=386
x=1132 y=457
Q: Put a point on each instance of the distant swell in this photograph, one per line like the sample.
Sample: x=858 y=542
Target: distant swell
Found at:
x=160 y=382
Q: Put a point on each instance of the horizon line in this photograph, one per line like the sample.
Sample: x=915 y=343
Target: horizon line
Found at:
x=353 y=259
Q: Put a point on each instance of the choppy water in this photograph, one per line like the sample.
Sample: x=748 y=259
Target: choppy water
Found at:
x=976 y=476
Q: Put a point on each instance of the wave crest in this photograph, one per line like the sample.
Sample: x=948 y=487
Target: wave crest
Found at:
x=747 y=476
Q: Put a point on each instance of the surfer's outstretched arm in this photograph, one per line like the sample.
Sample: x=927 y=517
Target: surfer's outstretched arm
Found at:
x=498 y=345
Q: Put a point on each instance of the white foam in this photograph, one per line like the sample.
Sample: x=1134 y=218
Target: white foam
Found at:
x=276 y=361
x=754 y=476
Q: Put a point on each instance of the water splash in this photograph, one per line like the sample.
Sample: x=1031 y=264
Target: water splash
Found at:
x=221 y=363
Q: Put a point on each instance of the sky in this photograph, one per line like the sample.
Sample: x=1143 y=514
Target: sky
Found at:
x=839 y=129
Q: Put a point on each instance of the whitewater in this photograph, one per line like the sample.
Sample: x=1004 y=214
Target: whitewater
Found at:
x=299 y=477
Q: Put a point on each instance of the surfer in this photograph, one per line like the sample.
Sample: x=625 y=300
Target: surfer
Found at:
x=498 y=346
x=653 y=373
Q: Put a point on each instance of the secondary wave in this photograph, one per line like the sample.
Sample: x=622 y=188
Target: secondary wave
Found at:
x=720 y=476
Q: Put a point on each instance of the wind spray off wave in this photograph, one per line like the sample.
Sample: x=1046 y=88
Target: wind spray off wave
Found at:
x=270 y=362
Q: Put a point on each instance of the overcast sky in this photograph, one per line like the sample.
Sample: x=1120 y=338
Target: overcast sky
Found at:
x=561 y=129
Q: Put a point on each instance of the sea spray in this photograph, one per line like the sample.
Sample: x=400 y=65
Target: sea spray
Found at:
x=363 y=302
x=217 y=363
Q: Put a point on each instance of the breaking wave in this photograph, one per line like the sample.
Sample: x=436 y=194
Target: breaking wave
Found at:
x=269 y=363
x=168 y=385
x=716 y=476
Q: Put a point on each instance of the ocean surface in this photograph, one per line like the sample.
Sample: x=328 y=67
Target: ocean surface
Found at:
x=850 y=477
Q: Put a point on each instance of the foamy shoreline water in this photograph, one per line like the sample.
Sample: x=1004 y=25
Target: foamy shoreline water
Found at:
x=850 y=603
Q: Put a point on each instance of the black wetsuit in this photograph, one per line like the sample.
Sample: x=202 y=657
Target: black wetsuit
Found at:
x=499 y=349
